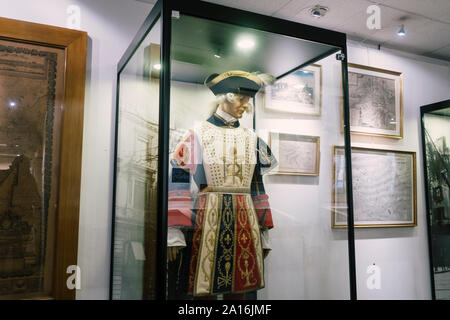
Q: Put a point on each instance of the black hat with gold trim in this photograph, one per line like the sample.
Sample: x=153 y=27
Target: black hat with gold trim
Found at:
x=236 y=81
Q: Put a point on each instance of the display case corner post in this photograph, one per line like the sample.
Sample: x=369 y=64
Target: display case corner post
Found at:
x=163 y=149
x=347 y=138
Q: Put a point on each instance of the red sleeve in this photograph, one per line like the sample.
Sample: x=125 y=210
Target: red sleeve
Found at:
x=184 y=165
x=180 y=209
x=262 y=208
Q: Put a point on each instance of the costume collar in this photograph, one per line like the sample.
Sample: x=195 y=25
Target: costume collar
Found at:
x=225 y=115
x=222 y=119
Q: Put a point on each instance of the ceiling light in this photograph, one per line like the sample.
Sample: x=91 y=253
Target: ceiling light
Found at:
x=217 y=56
x=246 y=43
x=318 y=11
x=157 y=66
x=12 y=104
x=401 y=32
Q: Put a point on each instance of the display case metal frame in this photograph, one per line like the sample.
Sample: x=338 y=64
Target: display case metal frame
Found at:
x=423 y=110
x=165 y=9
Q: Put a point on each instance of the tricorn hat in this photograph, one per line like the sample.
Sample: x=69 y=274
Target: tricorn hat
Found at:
x=236 y=81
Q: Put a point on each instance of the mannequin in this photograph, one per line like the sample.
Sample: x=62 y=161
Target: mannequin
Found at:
x=228 y=216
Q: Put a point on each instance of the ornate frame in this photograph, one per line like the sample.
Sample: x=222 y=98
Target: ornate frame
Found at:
x=375 y=225
x=387 y=73
x=312 y=139
x=67 y=216
x=314 y=68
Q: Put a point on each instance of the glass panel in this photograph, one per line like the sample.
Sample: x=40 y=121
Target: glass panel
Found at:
x=436 y=130
x=134 y=259
x=251 y=201
x=384 y=176
x=31 y=92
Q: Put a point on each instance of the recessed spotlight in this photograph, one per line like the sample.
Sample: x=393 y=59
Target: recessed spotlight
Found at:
x=245 y=43
x=12 y=104
x=401 y=32
x=318 y=11
x=157 y=66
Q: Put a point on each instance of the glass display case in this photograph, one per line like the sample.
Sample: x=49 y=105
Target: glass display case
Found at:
x=232 y=159
x=436 y=159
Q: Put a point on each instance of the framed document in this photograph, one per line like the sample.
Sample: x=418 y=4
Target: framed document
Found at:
x=376 y=101
x=384 y=188
x=298 y=92
x=42 y=80
x=296 y=154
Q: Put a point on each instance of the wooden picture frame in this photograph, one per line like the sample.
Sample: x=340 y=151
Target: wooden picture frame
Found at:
x=296 y=154
x=74 y=44
x=299 y=92
x=375 y=102
x=384 y=188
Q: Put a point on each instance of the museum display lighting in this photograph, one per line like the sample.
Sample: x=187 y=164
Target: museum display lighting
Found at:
x=318 y=11
x=401 y=32
x=245 y=43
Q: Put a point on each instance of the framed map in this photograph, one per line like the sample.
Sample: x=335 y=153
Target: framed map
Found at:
x=296 y=154
x=298 y=92
x=376 y=101
x=384 y=188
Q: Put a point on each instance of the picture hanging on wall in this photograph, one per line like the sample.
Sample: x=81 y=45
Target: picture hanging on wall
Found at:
x=296 y=154
x=376 y=101
x=298 y=92
x=384 y=188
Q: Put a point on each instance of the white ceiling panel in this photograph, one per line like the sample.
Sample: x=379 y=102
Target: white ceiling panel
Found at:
x=435 y=9
x=441 y=53
x=427 y=22
x=267 y=7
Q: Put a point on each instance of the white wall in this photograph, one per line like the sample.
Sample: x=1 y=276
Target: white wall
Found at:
x=111 y=25
x=401 y=253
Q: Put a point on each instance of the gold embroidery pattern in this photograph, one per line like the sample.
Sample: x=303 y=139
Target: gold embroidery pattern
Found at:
x=207 y=244
x=226 y=240
x=243 y=240
x=210 y=238
x=254 y=226
x=196 y=243
x=229 y=155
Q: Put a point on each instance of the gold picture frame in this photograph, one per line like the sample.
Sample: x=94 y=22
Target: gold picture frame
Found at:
x=375 y=102
x=296 y=154
x=377 y=200
x=296 y=92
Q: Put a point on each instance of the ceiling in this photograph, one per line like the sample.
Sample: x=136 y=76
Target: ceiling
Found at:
x=195 y=42
x=427 y=22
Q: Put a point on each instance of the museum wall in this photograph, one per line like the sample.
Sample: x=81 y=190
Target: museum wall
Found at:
x=111 y=25
x=400 y=253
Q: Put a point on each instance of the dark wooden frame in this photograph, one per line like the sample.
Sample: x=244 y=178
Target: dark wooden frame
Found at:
x=423 y=110
x=74 y=44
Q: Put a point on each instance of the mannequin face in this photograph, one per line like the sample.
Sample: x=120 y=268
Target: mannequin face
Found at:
x=237 y=108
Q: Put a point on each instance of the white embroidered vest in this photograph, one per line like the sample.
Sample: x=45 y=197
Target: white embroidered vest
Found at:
x=228 y=155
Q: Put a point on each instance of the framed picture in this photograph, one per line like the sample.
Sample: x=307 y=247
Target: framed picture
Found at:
x=298 y=92
x=42 y=80
x=376 y=101
x=384 y=188
x=296 y=154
